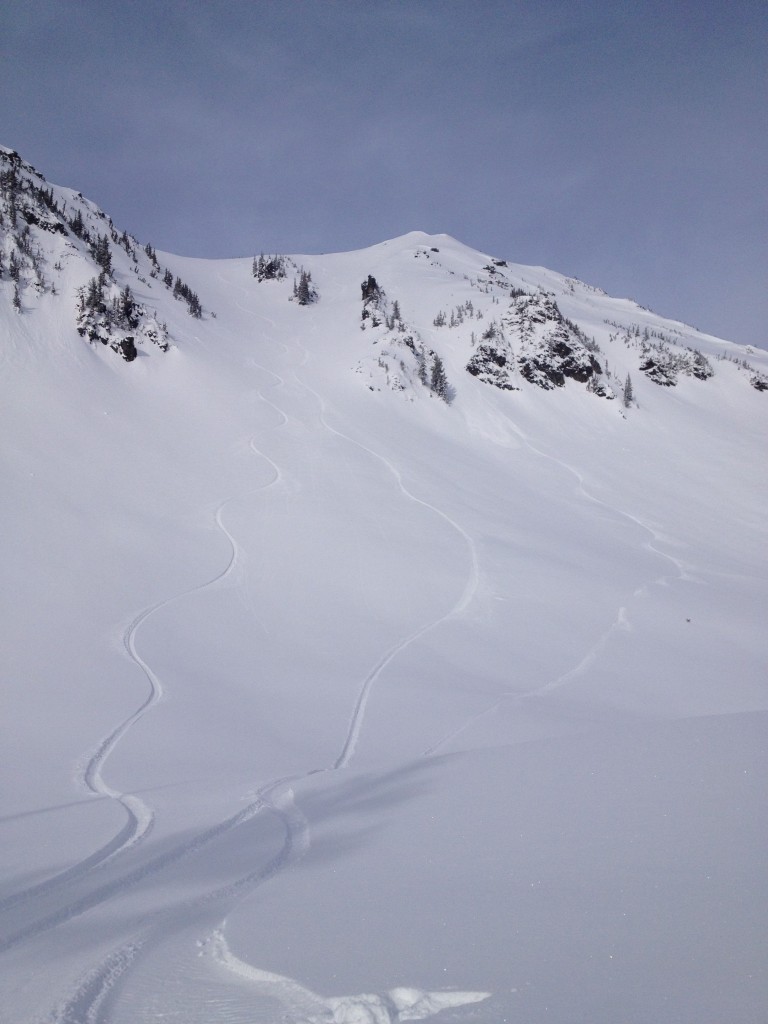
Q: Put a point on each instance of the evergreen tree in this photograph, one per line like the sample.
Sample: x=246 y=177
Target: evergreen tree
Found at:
x=422 y=367
x=303 y=294
x=127 y=308
x=628 y=393
x=438 y=380
x=94 y=295
x=16 y=298
x=102 y=254
x=269 y=268
x=24 y=241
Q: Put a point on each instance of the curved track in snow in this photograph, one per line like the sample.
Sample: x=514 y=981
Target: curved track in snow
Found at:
x=302 y=1005
x=91 y=1000
x=620 y=622
x=470 y=587
x=140 y=816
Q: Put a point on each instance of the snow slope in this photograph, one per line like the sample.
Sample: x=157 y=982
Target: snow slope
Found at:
x=326 y=699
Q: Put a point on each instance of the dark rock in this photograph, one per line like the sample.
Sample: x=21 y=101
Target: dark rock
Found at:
x=127 y=349
x=370 y=289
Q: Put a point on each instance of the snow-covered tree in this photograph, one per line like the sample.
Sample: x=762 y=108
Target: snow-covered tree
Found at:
x=77 y=225
x=102 y=254
x=438 y=380
x=421 y=362
x=628 y=394
x=14 y=266
x=269 y=268
x=127 y=308
x=303 y=293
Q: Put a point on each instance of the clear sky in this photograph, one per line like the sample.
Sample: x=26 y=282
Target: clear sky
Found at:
x=624 y=143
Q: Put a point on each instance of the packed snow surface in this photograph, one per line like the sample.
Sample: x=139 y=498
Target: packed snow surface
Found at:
x=317 y=683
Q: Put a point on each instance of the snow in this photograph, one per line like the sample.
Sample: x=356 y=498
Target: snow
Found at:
x=317 y=687
x=399 y=1004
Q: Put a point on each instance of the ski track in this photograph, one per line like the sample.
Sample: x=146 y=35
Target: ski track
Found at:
x=358 y=712
x=681 y=572
x=120 y=886
x=91 y=994
x=90 y=1002
x=138 y=826
x=140 y=815
x=303 y=1006
x=620 y=623
x=90 y=998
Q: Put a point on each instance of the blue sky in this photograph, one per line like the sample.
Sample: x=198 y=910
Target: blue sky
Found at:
x=622 y=143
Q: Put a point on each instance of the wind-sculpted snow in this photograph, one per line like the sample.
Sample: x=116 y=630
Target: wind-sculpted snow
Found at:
x=441 y=705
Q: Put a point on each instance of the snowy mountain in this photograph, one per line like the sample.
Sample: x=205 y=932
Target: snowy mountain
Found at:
x=383 y=636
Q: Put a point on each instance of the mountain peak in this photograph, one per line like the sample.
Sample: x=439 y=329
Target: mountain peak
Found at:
x=440 y=305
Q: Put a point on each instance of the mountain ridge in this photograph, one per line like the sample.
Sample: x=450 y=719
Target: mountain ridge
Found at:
x=545 y=346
